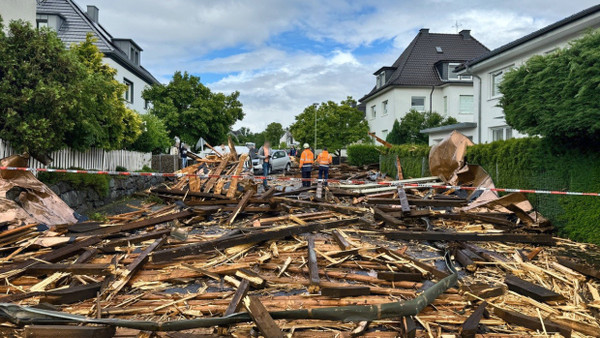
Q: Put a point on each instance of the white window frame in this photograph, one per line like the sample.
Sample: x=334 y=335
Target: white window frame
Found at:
x=373 y=112
x=451 y=67
x=384 y=110
x=129 y=92
x=446 y=105
x=460 y=105
x=506 y=133
x=384 y=133
x=412 y=106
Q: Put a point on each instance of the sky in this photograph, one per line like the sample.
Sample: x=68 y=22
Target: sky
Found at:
x=284 y=55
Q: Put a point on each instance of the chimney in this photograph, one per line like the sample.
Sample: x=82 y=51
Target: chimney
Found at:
x=466 y=34
x=92 y=13
x=424 y=30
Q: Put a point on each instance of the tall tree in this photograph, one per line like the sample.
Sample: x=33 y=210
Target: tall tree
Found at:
x=557 y=95
x=408 y=130
x=191 y=110
x=273 y=133
x=338 y=125
x=52 y=97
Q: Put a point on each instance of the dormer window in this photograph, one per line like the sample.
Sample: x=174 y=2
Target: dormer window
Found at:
x=380 y=79
x=452 y=76
x=131 y=50
x=52 y=21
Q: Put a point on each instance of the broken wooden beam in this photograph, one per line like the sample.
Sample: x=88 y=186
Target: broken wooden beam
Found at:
x=470 y=237
x=76 y=269
x=253 y=237
x=531 y=290
x=262 y=318
x=140 y=224
x=529 y=322
x=71 y=294
x=341 y=240
x=313 y=266
x=400 y=276
x=469 y=328
x=240 y=207
x=53 y=331
x=583 y=269
x=345 y=291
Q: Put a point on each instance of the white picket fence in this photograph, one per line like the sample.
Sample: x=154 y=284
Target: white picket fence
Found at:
x=98 y=159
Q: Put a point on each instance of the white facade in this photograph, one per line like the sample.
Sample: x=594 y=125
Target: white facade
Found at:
x=17 y=10
x=393 y=104
x=491 y=125
x=133 y=97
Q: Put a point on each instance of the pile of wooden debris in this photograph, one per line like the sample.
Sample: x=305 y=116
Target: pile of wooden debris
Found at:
x=372 y=260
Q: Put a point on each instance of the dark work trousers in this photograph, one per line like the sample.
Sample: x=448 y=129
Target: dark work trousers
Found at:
x=265 y=173
x=324 y=173
x=306 y=170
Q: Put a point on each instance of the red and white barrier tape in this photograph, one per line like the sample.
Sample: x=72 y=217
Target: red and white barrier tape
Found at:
x=277 y=178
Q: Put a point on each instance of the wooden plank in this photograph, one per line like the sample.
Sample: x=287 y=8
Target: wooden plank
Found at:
x=339 y=208
x=429 y=268
x=76 y=269
x=232 y=151
x=345 y=291
x=141 y=223
x=400 y=276
x=313 y=266
x=262 y=318
x=583 y=269
x=470 y=237
x=72 y=294
x=402 y=196
x=529 y=322
x=241 y=205
x=463 y=257
x=72 y=331
x=236 y=301
x=213 y=180
x=253 y=237
x=409 y=327
x=418 y=202
x=134 y=239
x=531 y=290
x=469 y=328
x=389 y=220
x=341 y=240
x=233 y=183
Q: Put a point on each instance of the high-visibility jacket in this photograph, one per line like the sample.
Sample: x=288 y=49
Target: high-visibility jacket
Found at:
x=324 y=159
x=306 y=158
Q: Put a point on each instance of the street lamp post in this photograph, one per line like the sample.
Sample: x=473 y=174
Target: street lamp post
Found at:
x=315 y=144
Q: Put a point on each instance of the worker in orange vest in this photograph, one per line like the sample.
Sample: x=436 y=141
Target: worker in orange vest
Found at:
x=324 y=160
x=306 y=164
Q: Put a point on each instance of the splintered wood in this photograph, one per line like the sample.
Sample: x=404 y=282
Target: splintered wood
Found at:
x=222 y=248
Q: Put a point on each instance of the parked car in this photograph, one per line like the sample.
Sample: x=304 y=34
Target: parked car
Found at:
x=280 y=161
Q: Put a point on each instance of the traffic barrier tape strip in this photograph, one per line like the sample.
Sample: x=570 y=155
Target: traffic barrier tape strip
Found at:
x=274 y=178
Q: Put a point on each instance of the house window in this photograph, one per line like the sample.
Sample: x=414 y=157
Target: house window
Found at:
x=496 y=80
x=385 y=104
x=445 y=105
x=451 y=74
x=465 y=105
x=384 y=134
x=129 y=91
x=501 y=133
x=41 y=23
x=417 y=103
x=146 y=104
x=380 y=79
x=373 y=112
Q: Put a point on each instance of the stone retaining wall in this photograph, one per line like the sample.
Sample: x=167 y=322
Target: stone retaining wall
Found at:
x=82 y=200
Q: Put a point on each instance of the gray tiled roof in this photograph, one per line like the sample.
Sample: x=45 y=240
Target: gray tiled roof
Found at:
x=416 y=65
x=77 y=25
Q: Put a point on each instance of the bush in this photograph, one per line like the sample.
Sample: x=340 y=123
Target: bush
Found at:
x=100 y=183
x=535 y=163
x=145 y=169
x=154 y=137
x=413 y=158
x=363 y=154
x=120 y=168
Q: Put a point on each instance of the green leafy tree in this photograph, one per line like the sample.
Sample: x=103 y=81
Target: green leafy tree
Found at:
x=408 y=130
x=52 y=97
x=557 y=95
x=338 y=125
x=273 y=133
x=191 y=110
x=154 y=137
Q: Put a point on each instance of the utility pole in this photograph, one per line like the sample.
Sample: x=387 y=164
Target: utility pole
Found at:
x=315 y=144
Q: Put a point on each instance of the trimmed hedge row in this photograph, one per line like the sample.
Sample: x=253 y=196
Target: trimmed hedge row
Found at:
x=534 y=163
x=413 y=158
x=363 y=154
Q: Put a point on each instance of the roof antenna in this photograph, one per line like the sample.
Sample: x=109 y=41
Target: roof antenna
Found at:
x=457 y=26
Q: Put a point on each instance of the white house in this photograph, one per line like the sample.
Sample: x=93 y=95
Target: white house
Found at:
x=488 y=70
x=422 y=79
x=72 y=25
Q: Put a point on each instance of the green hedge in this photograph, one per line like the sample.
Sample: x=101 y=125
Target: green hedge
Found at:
x=413 y=158
x=100 y=183
x=534 y=163
x=363 y=154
